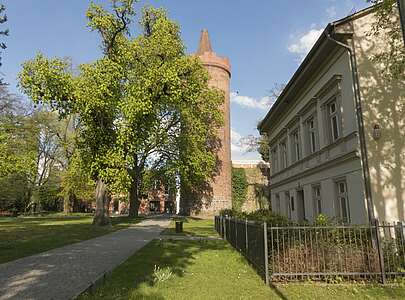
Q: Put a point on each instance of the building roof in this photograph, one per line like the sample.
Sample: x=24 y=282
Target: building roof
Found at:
x=207 y=55
x=322 y=45
x=205 y=43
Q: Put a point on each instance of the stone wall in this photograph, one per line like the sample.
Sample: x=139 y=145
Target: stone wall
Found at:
x=257 y=175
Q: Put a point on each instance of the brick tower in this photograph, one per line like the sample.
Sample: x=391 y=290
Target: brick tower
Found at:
x=219 y=70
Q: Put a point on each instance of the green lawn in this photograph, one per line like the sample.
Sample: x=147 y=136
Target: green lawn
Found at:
x=213 y=270
x=25 y=236
x=193 y=227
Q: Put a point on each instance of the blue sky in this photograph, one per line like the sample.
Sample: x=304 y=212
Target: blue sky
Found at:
x=265 y=41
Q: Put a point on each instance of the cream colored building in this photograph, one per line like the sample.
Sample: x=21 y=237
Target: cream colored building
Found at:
x=337 y=132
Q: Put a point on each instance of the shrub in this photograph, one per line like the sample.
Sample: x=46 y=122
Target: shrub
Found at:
x=239 y=188
x=233 y=213
x=265 y=215
x=260 y=216
x=161 y=274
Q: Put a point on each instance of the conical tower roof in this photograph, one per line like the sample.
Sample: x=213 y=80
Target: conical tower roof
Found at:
x=205 y=43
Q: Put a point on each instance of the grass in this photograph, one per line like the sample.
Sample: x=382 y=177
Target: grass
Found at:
x=201 y=270
x=213 y=270
x=341 y=291
x=24 y=236
x=192 y=227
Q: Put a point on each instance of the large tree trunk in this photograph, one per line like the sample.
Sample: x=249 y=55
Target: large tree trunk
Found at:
x=101 y=216
x=68 y=203
x=134 y=197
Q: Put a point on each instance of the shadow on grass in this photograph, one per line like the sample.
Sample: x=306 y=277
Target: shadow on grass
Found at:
x=192 y=226
x=278 y=292
x=134 y=279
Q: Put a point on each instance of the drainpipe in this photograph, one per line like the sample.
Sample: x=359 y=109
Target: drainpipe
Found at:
x=360 y=124
x=401 y=9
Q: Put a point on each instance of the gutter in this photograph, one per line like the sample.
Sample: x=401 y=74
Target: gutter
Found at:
x=360 y=124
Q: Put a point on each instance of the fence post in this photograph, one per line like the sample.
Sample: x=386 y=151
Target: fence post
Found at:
x=400 y=226
x=225 y=228
x=380 y=250
x=246 y=237
x=266 y=253
x=220 y=225
x=236 y=234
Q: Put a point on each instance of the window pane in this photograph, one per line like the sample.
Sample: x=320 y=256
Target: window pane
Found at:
x=342 y=187
x=332 y=108
x=335 y=129
x=313 y=146
x=343 y=207
x=319 y=206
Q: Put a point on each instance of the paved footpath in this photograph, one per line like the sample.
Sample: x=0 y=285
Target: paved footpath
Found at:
x=65 y=272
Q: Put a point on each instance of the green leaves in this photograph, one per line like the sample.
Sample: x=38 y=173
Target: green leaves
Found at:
x=239 y=188
x=143 y=105
x=387 y=26
x=48 y=81
x=112 y=26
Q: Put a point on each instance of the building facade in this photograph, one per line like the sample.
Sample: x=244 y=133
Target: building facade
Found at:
x=336 y=132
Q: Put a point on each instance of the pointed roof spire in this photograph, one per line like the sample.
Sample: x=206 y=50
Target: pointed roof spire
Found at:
x=205 y=44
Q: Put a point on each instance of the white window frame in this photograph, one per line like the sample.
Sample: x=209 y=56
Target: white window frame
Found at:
x=343 y=200
x=283 y=154
x=334 y=119
x=295 y=145
x=288 y=201
x=312 y=134
x=274 y=159
x=317 y=198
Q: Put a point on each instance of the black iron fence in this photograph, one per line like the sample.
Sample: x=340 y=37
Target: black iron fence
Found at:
x=318 y=252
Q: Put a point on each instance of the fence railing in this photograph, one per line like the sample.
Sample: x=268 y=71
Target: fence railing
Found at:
x=318 y=252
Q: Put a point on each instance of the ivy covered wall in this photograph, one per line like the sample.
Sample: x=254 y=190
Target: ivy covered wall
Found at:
x=239 y=188
x=250 y=190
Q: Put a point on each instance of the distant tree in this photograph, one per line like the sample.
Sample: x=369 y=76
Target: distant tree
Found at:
x=76 y=184
x=257 y=143
x=387 y=24
x=17 y=142
x=253 y=143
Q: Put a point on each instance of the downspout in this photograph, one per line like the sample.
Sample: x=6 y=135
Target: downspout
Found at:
x=401 y=9
x=360 y=124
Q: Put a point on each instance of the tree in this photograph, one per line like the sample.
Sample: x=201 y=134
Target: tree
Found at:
x=387 y=24
x=261 y=143
x=17 y=147
x=144 y=105
x=76 y=184
x=171 y=115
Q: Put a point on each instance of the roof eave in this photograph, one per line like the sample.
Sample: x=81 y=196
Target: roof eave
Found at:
x=312 y=53
x=310 y=56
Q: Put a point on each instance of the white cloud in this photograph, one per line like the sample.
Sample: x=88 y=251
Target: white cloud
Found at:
x=304 y=43
x=264 y=103
x=236 y=145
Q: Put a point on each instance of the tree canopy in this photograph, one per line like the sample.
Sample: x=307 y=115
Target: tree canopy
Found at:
x=388 y=24
x=143 y=105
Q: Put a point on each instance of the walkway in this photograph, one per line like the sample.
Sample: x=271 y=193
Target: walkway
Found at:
x=65 y=272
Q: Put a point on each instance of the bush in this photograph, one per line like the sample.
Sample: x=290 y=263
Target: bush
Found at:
x=264 y=215
x=260 y=216
x=239 y=188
